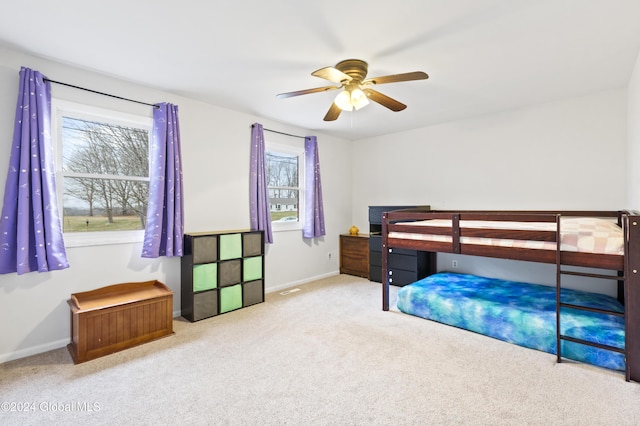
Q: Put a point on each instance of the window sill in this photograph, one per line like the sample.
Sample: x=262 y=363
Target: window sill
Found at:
x=282 y=227
x=87 y=239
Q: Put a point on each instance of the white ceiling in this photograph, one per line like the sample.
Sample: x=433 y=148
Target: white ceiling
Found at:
x=482 y=56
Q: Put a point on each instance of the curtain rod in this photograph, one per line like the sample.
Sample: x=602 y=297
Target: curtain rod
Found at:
x=282 y=133
x=100 y=93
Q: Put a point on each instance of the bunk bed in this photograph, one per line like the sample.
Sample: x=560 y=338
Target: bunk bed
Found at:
x=596 y=244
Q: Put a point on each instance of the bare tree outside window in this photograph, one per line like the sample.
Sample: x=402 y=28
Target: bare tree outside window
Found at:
x=283 y=184
x=106 y=176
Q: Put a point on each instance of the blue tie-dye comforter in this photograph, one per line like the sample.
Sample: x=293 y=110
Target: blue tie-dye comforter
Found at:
x=520 y=313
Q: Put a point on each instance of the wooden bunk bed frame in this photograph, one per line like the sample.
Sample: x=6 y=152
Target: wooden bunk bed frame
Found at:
x=625 y=266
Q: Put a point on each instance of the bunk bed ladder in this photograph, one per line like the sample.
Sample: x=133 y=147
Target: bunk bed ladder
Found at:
x=559 y=305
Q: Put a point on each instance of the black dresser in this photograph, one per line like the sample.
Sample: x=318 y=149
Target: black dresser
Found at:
x=405 y=266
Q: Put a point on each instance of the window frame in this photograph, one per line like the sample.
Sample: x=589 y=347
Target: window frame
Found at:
x=299 y=152
x=61 y=108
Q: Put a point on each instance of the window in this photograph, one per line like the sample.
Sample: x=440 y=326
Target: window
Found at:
x=102 y=173
x=285 y=174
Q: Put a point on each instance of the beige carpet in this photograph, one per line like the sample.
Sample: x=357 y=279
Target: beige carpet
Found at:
x=326 y=355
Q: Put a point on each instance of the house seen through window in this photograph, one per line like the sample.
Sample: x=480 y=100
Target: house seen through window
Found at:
x=284 y=168
x=103 y=162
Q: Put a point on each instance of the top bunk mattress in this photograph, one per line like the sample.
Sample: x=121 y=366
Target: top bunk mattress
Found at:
x=519 y=313
x=578 y=234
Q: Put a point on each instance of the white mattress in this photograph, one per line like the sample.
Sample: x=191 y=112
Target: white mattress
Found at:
x=578 y=234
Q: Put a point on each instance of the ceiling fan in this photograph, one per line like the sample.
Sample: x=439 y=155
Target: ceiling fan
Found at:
x=350 y=75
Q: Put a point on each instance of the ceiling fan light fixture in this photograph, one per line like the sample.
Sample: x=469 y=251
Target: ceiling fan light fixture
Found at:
x=343 y=101
x=351 y=99
x=358 y=99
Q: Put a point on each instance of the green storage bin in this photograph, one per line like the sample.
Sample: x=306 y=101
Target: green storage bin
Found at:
x=205 y=277
x=230 y=246
x=252 y=268
x=230 y=298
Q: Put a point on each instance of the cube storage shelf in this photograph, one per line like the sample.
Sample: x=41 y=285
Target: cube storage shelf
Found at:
x=221 y=272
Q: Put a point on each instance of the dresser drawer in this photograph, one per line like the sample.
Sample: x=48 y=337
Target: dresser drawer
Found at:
x=405 y=252
x=375 y=243
x=401 y=278
x=403 y=261
x=375 y=273
x=406 y=266
x=375 y=258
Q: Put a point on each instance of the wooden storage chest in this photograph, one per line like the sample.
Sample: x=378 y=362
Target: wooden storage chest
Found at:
x=117 y=317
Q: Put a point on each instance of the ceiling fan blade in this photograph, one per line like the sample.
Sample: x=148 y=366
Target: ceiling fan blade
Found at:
x=384 y=100
x=306 y=91
x=409 y=76
x=333 y=113
x=332 y=74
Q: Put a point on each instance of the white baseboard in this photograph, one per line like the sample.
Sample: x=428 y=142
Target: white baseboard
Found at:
x=300 y=282
x=33 y=350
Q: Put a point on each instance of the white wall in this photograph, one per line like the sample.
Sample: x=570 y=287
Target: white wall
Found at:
x=34 y=315
x=561 y=155
x=633 y=146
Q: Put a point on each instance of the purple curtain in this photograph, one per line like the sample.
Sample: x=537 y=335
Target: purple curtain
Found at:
x=258 y=193
x=30 y=226
x=164 y=231
x=314 y=213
